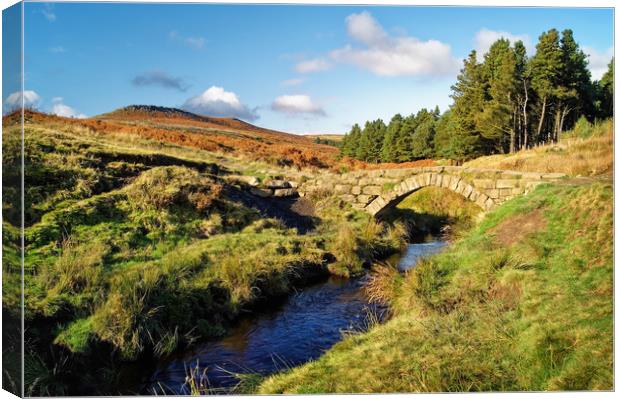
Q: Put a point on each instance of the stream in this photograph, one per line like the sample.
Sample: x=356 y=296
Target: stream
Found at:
x=293 y=332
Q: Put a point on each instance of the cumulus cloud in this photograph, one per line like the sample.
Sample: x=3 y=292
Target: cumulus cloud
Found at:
x=160 y=78
x=296 y=104
x=313 y=65
x=194 y=42
x=292 y=82
x=14 y=101
x=61 y=109
x=215 y=101
x=598 y=61
x=486 y=37
x=365 y=29
x=385 y=55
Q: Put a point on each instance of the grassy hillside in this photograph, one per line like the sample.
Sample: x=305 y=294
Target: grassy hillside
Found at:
x=587 y=150
x=141 y=239
x=135 y=248
x=219 y=135
x=522 y=302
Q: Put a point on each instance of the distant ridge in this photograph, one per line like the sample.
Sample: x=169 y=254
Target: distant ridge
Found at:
x=153 y=109
x=159 y=112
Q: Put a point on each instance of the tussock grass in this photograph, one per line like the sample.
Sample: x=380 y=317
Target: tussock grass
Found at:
x=135 y=249
x=587 y=150
x=485 y=316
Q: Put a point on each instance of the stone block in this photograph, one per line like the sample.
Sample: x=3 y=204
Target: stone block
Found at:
x=402 y=188
x=553 y=175
x=438 y=179
x=504 y=192
x=454 y=182
x=481 y=200
x=356 y=190
x=261 y=192
x=433 y=180
x=365 y=199
x=277 y=184
x=488 y=204
x=396 y=173
x=507 y=183
x=493 y=193
x=380 y=201
x=347 y=198
x=284 y=192
x=425 y=178
x=531 y=175
x=342 y=189
x=446 y=181
x=510 y=175
x=249 y=180
x=460 y=186
x=412 y=184
x=374 y=190
x=484 y=183
x=467 y=190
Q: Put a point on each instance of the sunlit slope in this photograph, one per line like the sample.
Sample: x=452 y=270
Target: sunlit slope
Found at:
x=218 y=135
x=522 y=302
x=587 y=150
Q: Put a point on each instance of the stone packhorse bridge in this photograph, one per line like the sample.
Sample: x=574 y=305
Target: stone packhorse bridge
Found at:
x=375 y=190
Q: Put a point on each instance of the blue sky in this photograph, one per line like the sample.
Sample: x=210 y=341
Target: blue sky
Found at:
x=302 y=69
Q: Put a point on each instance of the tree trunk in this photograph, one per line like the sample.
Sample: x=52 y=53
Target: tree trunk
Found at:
x=542 y=118
x=525 y=133
x=556 y=124
x=565 y=112
x=513 y=131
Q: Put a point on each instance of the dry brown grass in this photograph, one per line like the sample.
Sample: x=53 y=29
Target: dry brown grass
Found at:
x=517 y=227
x=217 y=135
x=591 y=156
x=382 y=284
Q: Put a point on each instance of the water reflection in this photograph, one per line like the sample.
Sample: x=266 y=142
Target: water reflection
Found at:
x=301 y=329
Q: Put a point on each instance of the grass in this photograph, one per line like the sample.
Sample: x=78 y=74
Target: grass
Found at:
x=587 y=150
x=488 y=314
x=138 y=245
x=136 y=250
x=436 y=211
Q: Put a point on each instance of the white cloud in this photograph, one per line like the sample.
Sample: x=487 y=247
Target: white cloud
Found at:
x=215 y=101
x=57 y=49
x=486 y=37
x=14 y=101
x=194 y=42
x=48 y=12
x=61 y=109
x=295 y=104
x=365 y=29
x=314 y=65
x=292 y=82
x=598 y=61
x=393 y=56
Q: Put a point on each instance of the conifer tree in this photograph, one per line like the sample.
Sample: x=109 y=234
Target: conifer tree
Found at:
x=606 y=92
x=388 y=148
x=545 y=70
x=350 y=142
x=496 y=121
x=469 y=95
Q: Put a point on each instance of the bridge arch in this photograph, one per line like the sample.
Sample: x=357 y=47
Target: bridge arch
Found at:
x=374 y=190
x=412 y=184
